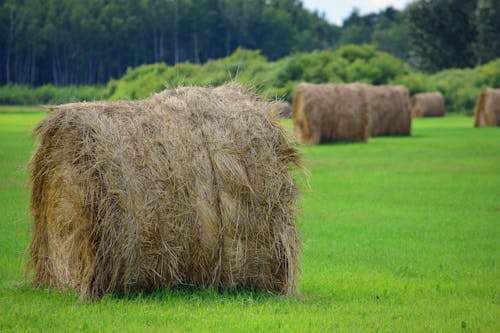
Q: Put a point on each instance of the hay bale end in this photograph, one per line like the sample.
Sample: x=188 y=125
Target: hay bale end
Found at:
x=487 y=110
x=330 y=112
x=428 y=105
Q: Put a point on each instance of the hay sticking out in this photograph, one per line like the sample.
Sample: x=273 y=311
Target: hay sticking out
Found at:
x=427 y=105
x=330 y=112
x=388 y=109
x=283 y=109
x=191 y=186
x=487 y=110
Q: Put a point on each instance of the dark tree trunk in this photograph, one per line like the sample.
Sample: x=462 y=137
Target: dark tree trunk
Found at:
x=196 y=49
x=10 y=42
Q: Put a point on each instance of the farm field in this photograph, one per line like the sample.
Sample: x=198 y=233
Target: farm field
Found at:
x=401 y=234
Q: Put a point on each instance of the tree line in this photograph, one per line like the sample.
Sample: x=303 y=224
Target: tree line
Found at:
x=431 y=35
x=67 y=42
x=88 y=41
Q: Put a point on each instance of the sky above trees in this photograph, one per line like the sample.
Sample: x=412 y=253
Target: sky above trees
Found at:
x=338 y=10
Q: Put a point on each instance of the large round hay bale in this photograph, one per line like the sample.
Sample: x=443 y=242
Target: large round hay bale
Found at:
x=487 y=110
x=330 y=112
x=427 y=105
x=191 y=186
x=389 y=110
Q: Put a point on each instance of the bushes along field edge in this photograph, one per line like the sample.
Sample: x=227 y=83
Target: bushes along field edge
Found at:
x=275 y=80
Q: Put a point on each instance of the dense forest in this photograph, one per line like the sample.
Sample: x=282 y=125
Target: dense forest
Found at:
x=67 y=42
x=89 y=41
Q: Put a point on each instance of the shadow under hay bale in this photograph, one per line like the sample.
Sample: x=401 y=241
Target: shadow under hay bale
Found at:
x=388 y=110
x=191 y=186
x=428 y=105
x=330 y=112
x=487 y=110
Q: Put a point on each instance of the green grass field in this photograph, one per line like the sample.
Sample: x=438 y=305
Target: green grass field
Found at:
x=21 y=109
x=401 y=234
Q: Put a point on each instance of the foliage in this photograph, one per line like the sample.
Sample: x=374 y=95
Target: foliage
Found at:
x=350 y=63
x=416 y=82
x=442 y=33
x=242 y=65
x=488 y=30
x=430 y=35
x=90 y=41
x=401 y=234
x=274 y=79
x=386 y=29
x=48 y=94
x=67 y=42
x=460 y=87
x=490 y=73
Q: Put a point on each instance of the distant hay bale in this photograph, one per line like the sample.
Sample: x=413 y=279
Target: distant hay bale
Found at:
x=330 y=112
x=191 y=186
x=283 y=109
x=349 y=112
x=388 y=109
x=427 y=105
x=487 y=111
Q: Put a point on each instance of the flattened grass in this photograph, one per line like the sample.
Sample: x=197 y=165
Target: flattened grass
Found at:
x=401 y=234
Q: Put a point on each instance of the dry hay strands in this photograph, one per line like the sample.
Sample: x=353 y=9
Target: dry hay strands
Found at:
x=427 y=105
x=487 y=110
x=191 y=186
x=283 y=109
x=389 y=110
x=330 y=112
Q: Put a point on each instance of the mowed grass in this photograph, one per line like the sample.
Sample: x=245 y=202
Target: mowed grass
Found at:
x=401 y=234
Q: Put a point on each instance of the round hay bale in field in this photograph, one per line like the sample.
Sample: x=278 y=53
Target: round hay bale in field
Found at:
x=283 y=109
x=389 y=110
x=191 y=186
x=330 y=112
x=487 y=110
x=427 y=105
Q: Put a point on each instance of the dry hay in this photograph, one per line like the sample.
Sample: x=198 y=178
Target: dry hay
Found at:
x=388 y=109
x=283 y=109
x=427 y=105
x=191 y=186
x=330 y=112
x=487 y=111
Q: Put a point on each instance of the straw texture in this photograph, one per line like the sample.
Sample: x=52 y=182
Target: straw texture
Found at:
x=330 y=112
x=283 y=109
x=191 y=186
x=428 y=105
x=389 y=110
x=487 y=110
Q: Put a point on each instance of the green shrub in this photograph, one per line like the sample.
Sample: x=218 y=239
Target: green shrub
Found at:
x=490 y=73
x=460 y=87
x=416 y=82
x=351 y=53
x=138 y=83
x=350 y=63
x=48 y=94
